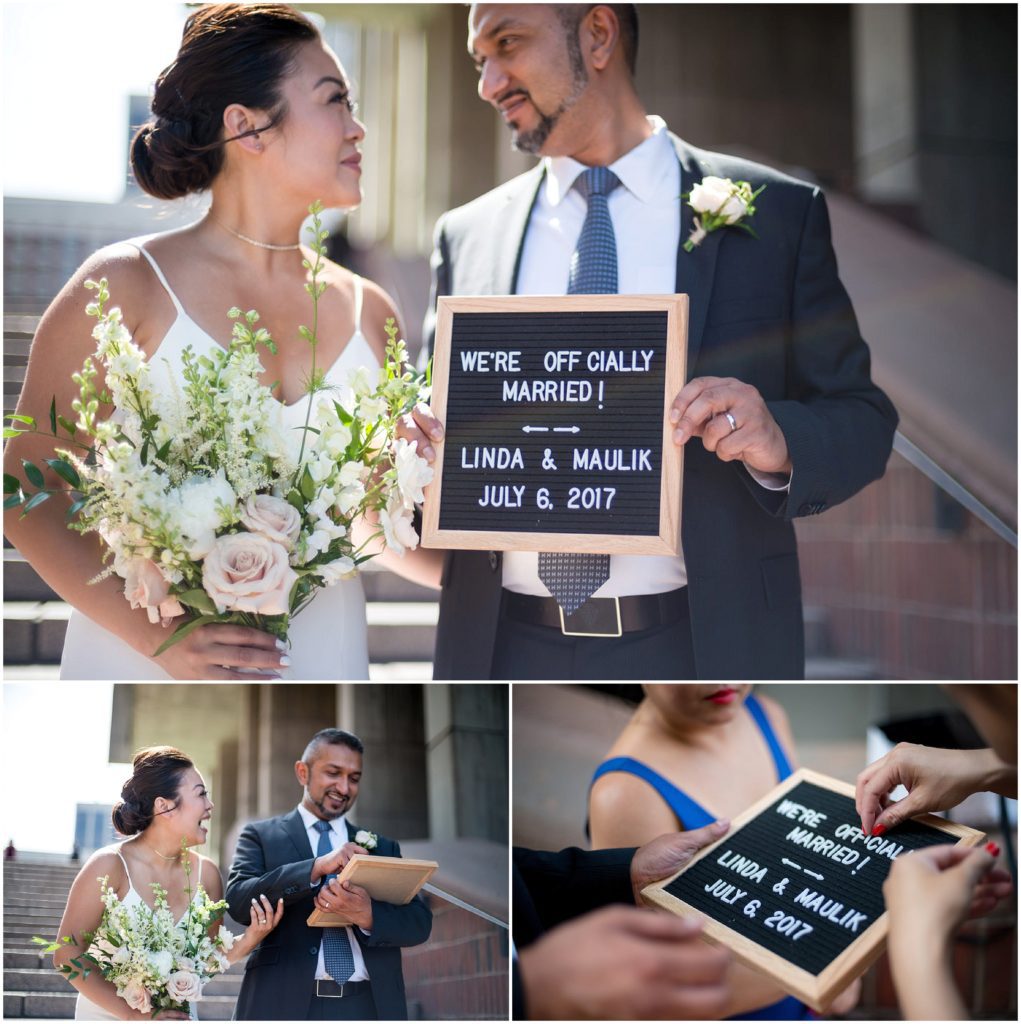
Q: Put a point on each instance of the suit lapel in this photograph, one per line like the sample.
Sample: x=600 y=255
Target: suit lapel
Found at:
x=294 y=827
x=510 y=239
x=695 y=270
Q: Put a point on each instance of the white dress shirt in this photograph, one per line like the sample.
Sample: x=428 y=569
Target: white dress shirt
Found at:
x=338 y=837
x=646 y=213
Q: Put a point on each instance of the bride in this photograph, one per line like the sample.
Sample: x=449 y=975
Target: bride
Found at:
x=163 y=805
x=257 y=110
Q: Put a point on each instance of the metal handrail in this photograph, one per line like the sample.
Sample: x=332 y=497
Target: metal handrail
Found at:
x=939 y=476
x=464 y=906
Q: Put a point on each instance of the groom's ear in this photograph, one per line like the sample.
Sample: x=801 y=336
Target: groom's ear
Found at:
x=301 y=773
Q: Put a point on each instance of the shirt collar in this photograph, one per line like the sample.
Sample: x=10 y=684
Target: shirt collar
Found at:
x=339 y=825
x=645 y=171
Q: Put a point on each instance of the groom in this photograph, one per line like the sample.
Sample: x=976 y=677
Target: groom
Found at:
x=303 y=973
x=780 y=408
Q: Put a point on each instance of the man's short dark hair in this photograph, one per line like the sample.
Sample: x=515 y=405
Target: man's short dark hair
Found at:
x=570 y=16
x=331 y=737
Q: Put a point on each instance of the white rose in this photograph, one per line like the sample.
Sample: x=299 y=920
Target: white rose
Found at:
x=366 y=839
x=245 y=572
x=184 y=987
x=413 y=472
x=162 y=962
x=136 y=995
x=398 y=530
x=184 y=963
x=202 y=506
x=339 y=569
x=274 y=518
x=122 y=956
x=718 y=196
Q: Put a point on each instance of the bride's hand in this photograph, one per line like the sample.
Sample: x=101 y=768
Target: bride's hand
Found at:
x=218 y=651
x=264 y=920
x=420 y=425
x=165 y=1015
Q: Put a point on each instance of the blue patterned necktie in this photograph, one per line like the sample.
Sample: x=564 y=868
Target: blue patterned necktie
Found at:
x=337 y=955
x=573 y=579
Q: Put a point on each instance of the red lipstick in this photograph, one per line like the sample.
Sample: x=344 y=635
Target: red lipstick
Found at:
x=726 y=695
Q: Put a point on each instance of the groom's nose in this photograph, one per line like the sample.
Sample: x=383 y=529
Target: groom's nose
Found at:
x=492 y=81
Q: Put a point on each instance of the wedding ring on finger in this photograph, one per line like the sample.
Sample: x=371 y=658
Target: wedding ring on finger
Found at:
x=731 y=421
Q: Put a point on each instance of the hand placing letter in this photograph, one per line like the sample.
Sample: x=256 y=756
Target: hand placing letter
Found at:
x=733 y=421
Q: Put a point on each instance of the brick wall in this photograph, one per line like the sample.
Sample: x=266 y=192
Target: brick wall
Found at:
x=913 y=583
x=461 y=972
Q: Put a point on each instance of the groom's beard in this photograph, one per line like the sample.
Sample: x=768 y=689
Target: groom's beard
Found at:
x=533 y=141
x=328 y=813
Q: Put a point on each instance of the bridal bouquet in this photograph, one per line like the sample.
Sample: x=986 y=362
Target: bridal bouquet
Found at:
x=208 y=506
x=155 y=963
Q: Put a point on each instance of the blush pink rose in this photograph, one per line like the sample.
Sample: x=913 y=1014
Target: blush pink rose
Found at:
x=246 y=572
x=273 y=517
x=146 y=587
x=136 y=996
x=184 y=987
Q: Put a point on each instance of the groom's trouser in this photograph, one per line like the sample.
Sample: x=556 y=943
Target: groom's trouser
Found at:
x=527 y=651
x=357 y=1007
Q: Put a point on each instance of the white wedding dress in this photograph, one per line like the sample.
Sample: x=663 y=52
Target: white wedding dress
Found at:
x=329 y=636
x=86 y=1009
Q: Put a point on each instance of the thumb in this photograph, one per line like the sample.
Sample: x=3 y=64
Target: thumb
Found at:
x=899 y=812
x=973 y=866
x=698 y=837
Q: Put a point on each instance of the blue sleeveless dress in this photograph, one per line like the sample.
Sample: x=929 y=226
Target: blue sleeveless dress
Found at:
x=693 y=815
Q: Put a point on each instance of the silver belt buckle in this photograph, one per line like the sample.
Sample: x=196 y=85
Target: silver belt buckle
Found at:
x=616 y=607
x=328 y=995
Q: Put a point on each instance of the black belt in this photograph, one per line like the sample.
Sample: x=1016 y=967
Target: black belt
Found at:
x=328 y=989
x=599 y=616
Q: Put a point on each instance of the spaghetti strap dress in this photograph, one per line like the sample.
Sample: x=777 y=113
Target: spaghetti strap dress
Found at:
x=329 y=639
x=692 y=814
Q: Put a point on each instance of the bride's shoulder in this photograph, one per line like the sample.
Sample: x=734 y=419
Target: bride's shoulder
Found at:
x=105 y=861
x=209 y=874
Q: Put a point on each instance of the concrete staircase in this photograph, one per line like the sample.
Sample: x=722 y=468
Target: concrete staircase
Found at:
x=34 y=898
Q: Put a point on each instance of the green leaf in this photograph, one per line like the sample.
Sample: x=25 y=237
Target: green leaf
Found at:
x=11 y=484
x=13 y=500
x=13 y=432
x=164 y=451
x=33 y=502
x=294 y=498
x=65 y=471
x=20 y=418
x=308 y=485
x=76 y=508
x=34 y=473
x=199 y=600
x=182 y=631
x=53 y=415
x=345 y=417
x=145 y=452
x=67 y=425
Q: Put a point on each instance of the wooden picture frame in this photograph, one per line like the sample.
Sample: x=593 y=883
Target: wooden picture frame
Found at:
x=816 y=990
x=665 y=540
x=394 y=880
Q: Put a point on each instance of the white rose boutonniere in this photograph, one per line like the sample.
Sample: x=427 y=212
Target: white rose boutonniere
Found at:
x=720 y=202
x=368 y=840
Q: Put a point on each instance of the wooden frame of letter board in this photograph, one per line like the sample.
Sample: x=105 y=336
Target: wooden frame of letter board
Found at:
x=390 y=879
x=817 y=990
x=669 y=538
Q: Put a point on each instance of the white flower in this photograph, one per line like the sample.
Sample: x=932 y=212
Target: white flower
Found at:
x=162 y=962
x=397 y=529
x=350 y=498
x=371 y=408
x=184 y=987
x=136 y=996
x=719 y=196
x=339 y=569
x=360 y=381
x=201 y=506
x=366 y=839
x=184 y=963
x=413 y=472
x=245 y=572
x=274 y=518
x=122 y=956
x=227 y=938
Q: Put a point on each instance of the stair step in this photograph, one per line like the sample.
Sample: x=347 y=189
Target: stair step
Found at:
x=839 y=668
x=54 y=1005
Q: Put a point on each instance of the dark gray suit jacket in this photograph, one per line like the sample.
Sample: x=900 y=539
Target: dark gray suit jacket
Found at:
x=770 y=311
x=274 y=857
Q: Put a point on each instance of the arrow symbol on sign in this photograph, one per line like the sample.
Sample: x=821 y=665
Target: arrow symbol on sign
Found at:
x=813 y=874
x=567 y=430
x=791 y=864
x=536 y=430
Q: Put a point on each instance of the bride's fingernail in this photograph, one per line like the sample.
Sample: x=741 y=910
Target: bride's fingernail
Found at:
x=284 y=660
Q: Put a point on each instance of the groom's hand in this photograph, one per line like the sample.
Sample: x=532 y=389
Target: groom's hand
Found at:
x=733 y=421
x=333 y=863
x=352 y=901
x=666 y=855
x=420 y=425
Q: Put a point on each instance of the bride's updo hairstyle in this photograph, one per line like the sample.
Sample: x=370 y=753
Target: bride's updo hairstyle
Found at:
x=156 y=772
x=230 y=53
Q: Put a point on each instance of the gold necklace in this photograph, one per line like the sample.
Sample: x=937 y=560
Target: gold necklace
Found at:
x=252 y=241
x=158 y=854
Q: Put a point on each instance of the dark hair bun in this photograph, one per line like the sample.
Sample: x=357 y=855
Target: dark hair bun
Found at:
x=168 y=162
x=128 y=818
